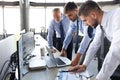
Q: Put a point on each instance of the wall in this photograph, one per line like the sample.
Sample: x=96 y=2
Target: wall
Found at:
x=110 y=7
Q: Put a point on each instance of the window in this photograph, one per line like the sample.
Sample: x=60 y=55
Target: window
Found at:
x=1 y=21
x=12 y=19
x=40 y=1
x=54 y=1
x=10 y=0
x=74 y=0
x=40 y=17
x=37 y=18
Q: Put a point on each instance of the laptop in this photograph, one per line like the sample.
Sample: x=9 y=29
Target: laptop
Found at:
x=58 y=61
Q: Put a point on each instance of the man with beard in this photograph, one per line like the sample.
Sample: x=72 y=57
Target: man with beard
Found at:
x=92 y=15
x=71 y=11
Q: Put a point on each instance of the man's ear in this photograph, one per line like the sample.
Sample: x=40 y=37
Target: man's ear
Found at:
x=76 y=9
x=93 y=15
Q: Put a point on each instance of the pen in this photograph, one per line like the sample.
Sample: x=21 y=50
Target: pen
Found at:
x=65 y=71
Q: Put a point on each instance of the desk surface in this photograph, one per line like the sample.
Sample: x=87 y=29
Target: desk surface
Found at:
x=46 y=74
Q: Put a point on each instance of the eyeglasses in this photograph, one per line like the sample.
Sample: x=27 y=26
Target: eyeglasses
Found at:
x=66 y=75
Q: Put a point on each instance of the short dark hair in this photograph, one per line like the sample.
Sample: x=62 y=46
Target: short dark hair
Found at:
x=56 y=9
x=87 y=7
x=70 y=6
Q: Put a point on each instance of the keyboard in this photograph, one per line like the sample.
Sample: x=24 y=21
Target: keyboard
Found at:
x=59 y=61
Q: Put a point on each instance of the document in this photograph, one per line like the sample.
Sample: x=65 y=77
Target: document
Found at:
x=66 y=75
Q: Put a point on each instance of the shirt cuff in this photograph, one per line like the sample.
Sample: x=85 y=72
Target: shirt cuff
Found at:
x=64 y=46
x=81 y=51
x=85 y=63
x=50 y=46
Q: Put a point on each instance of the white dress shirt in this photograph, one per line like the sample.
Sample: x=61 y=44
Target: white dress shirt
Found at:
x=111 y=29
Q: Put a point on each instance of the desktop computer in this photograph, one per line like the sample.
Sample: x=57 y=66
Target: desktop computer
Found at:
x=25 y=45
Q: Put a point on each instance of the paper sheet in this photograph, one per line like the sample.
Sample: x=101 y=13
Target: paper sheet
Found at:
x=72 y=76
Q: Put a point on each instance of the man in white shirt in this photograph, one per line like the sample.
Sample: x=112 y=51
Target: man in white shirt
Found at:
x=93 y=15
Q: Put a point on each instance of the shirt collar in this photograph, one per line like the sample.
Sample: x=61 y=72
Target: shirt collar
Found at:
x=63 y=16
x=104 y=18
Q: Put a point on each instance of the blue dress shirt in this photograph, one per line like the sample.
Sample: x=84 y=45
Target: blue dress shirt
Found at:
x=54 y=26
x=86 y=39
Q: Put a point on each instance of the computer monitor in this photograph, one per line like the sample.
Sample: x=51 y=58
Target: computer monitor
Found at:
x=20 y=59
x=28 y=43
x=25 y=45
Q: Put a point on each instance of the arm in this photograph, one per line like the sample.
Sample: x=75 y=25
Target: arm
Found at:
x=67 y=40
x=82 y=48
x=94 y=46
x=50 y=35
x=68 y=37
x=112 y=59
x=91 y=51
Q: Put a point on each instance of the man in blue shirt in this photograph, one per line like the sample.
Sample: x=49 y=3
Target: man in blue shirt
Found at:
x=59 y=25
x=71 y=11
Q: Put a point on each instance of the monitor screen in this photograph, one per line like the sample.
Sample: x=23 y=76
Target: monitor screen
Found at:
x=25 y=45
x=28 y=43
x=20 y=58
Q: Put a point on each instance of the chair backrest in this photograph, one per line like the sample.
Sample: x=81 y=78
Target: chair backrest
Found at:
x=7 y=47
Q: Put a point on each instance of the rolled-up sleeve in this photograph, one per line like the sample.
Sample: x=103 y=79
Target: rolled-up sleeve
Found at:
x=50 y=34
x=68 y=36
x=84 y=43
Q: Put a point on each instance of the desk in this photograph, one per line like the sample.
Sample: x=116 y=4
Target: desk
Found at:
x=47 y=74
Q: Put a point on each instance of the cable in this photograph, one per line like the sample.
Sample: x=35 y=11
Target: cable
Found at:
x=7 y=75
x=25 y=73
x=7 y=68
x=3 y=66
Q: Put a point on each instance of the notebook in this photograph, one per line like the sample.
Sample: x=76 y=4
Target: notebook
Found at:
x=36 y=62
x=52 y=61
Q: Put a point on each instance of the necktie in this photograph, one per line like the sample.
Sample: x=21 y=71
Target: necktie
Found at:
x=102 y=44
x=76 y=45
x=62 y=32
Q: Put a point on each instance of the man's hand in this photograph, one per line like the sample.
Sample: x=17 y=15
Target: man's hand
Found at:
x=53 y=50
x=78 y=68
x=63 y=53
x=75 y=61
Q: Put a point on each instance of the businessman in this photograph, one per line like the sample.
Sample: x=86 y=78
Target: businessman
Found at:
x=92 y=15
x=71 y=11
x=59 y=25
